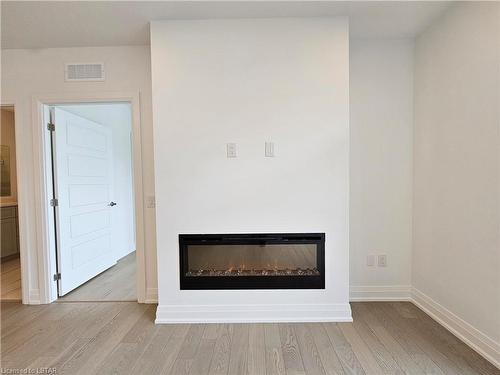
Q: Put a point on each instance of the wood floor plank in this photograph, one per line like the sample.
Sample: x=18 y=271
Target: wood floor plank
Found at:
x=451 y=342
x=275 y=364
x=203 y=357
x=72 y=329
x=222 y=350
x=291 y=351
x=104 y=313
x=10 y=280
x=256 y=350
x=345 y=353
x=77 y=346
x=428 y=346
x=210 y=331
x=383 y=357
x=436 y=338
x=238 y=359
x=19 y=318
x=8 y=308
x=39 y=325
x=143 y=327
x=161 y=353
x=329 y=358
x=427 y=365
x=119 y=360
x=176 y=345
x=188 y=350
x=122 y=359
x=44 y=342
x=363 y=352
x=71 y=342
x=407 y=364
x=308 y=351
x=89 y=358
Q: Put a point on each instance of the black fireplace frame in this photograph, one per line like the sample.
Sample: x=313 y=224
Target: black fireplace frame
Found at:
x=252 y=282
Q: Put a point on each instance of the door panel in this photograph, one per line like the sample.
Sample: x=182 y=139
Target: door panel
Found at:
x=89 y=194
x=89 y=222
x=83 y=182
x=87 y=166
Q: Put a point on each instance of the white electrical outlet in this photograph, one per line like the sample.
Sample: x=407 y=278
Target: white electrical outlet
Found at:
x=231 y=150
x=370 y=260
x=382 y=260
x=269 y=150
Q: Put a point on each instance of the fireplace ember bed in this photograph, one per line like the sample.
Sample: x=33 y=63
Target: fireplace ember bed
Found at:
x=252 y=261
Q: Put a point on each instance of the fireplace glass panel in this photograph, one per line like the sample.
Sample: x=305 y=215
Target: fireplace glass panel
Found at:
x=252 y=260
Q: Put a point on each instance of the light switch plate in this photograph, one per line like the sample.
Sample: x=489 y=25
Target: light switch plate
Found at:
x=269 y=151
x=370 y=260
x=231 y=150
x=382 y=260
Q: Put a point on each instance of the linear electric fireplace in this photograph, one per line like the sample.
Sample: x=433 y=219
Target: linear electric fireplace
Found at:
x=252 y=261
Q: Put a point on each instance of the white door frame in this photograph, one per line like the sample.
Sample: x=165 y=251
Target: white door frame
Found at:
x=21 y=203
x=43 y=186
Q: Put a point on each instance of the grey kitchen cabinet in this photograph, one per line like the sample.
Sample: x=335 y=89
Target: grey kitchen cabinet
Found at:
x=9 y=231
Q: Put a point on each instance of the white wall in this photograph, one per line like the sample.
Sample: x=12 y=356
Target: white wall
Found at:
x=248 y=81
x=40 y=72
x=117 y=117
x=456 y=193
x=381 y=166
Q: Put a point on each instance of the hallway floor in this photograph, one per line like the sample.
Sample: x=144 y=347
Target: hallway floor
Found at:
x=11 y=280
x=117 y=283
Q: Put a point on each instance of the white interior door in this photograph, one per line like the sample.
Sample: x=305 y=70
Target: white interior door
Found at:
x=83 y=169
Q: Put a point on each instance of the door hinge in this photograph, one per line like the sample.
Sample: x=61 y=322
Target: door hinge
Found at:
x=51 y=127
x=54 y=202
x=57 y=276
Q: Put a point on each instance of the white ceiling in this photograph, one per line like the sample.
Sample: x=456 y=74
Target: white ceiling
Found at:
x=41 y=24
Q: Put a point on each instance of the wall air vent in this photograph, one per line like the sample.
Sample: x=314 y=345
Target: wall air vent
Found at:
x=84 y=72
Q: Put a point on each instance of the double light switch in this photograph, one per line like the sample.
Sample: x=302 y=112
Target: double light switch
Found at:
x=231 y=150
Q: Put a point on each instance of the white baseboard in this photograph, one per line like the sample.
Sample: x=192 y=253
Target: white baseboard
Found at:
x=151 y=295
x=253 y=313
x=477 y=340
x=34 y=297
x=380 y=293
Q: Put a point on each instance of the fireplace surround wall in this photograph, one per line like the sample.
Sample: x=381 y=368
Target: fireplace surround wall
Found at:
x=248 y=81
x=252 y=261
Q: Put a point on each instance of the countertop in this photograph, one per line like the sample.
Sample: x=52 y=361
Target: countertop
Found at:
x=8 y=204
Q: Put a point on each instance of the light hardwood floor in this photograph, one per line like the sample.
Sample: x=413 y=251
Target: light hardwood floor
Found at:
x=115 y=284
x=121 y=338
x=11 y=280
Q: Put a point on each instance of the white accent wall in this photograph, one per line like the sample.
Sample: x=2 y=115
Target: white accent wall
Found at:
x=456 y=245
x=247 y=82
x=381 y=167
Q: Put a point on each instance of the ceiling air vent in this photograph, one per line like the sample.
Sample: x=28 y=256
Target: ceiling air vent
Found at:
x=84 y=72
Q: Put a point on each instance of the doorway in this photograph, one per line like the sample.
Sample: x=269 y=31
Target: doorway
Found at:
x=92 y=198
x=10 y=251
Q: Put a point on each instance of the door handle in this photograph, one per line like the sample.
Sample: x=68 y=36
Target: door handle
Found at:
x=112 y=204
